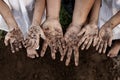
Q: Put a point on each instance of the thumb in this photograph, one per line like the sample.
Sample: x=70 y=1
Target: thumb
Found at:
x=42 y=34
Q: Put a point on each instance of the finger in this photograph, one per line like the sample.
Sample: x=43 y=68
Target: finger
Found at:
x=16 y=45
x=95 y=41
x=82 y=40
x=44 y=48
x=12 y=48
x=98 y=44
x=36 y=54
x=110 y=42
x=105 y=47
x=68 y=56
x=53 y=51
x=27 y=42
x=101 y=47
x=36 y=45
x=31 y=44
x=60 y=48
x=7 y=39
x=64 y=52
x=89 y=43
x=85 y=44
x=76 y=56
x=81 y=32
x=20 y=45
x=42 y=34
x=31 y=53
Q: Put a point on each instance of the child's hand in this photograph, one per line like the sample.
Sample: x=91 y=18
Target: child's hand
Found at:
x=90 y=33
x=54 y=36
x=105 y=38
x=71 y=40
x=32 y=53
x=33 y=37
x=14 y=38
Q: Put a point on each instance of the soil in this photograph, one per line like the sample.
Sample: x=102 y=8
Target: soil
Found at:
x=92 y=66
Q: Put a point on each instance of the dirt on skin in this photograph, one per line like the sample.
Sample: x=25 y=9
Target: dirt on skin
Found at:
x=92 y=66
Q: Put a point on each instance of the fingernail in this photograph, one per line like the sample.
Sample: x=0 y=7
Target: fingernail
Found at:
x=42 y=55
x=61 y=59
x=82 y=48
x=13 y=51
x=76 y=64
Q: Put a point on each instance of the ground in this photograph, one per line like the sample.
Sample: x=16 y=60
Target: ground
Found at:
x=92 y=66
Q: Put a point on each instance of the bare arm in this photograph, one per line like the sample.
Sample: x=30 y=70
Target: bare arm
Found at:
x=7 y=15
x=53 y=8
x=38 y=12
x=81 y=11
x=115 y=20
x=95 y=12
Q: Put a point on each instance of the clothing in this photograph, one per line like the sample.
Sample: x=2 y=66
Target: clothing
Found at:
x=22 y=11
x=107 y=10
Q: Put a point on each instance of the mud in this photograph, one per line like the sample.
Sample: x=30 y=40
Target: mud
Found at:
x=92 y=66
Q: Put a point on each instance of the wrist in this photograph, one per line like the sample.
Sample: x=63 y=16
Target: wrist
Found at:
x=93 y=25
x=52 y=17
x=13 y=28
x=76 y=25
x=108 y=25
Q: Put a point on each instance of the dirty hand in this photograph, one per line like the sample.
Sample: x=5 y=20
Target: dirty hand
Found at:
x=71 y=41
x=14 y=38
x=32 y=41
x=90 y=33
x=54 y=37
x=105 y=38
x=33 y=37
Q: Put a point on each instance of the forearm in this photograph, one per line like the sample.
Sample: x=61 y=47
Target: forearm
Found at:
x=53 y=8
x=95 y=12
x=7 y=15
x=115 y=20
x=81 y=11
x=38 y=12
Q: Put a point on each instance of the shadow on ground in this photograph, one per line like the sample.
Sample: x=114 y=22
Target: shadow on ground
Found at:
x=92 y=66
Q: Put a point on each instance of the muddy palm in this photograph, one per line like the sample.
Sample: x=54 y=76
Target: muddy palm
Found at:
x=14 y=38
x=54 y=37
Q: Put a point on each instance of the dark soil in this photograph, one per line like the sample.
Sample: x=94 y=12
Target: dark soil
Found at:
x=92 y=66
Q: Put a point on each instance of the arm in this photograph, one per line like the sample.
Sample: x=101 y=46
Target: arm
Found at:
x=81 y=11
x=7 y=15
x=95 y=12
x=35 y=30
x=80 y=14
x=14 y=36
x=38 y=12
x=53 y=9
x=115 y=20
x=52 y=29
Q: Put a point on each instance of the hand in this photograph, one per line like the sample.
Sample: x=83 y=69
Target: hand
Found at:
x=31 y=53
x=54 y=36
x=71 y=40
x=33 y=38
x=105 y=38
x=14 y=38
x=89 y=34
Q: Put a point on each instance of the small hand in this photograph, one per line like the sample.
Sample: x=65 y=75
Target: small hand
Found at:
x=15 y=38
x=54 y=36
x=33 y=38
x=71 y=40
x=89 y=34
x=31 y=53
x=105 y=38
